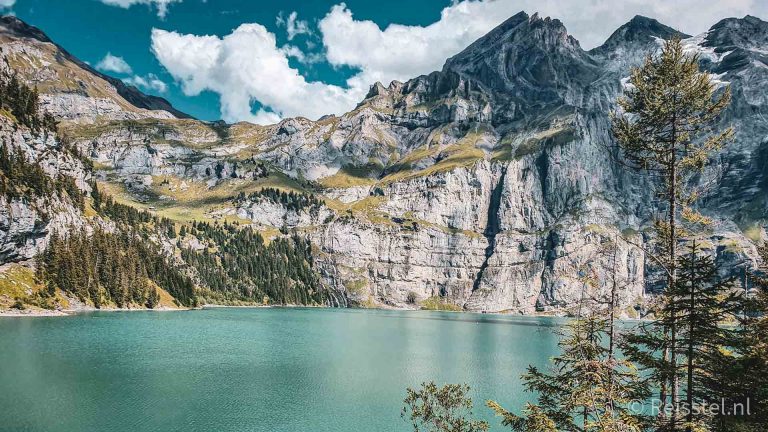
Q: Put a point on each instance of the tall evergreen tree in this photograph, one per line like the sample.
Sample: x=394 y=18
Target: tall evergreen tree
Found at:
x=744 y=374
x=703 y=302
x=663 y=127
x=587 y=390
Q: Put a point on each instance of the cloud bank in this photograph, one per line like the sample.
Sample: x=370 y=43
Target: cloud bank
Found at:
x=113 y=63
x=243 y=67
x=247 y=66
x=149 y=82
x=161 y=5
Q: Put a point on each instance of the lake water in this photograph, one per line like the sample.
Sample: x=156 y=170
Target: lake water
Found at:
x=270 y=370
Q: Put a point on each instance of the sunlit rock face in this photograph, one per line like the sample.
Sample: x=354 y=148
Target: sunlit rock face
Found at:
x=493 y=183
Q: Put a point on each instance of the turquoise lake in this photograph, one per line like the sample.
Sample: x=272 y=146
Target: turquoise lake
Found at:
x=270 y=370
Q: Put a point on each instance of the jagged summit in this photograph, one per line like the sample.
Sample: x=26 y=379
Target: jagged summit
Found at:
x=639 y=30
x=735 y=43
x=528 y=65
x=746 y=32
x=86 y=78
x=522 y=31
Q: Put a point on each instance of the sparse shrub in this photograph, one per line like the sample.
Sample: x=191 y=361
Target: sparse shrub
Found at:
x=410 y=298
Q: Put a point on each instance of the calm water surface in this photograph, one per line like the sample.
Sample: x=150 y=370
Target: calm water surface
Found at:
x=270 y=370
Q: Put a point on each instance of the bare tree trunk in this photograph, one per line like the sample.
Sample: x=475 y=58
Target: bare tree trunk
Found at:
x=689 y=391
x=612 y=334
x=673 y=274
x=612 y=324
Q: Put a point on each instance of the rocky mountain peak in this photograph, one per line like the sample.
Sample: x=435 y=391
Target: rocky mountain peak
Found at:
x=640 y=31
x=733 y=44
x=526 y=59
x=521 y=33
x=730 y=33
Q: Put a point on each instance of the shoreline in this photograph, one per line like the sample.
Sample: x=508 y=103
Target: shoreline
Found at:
x=33 y=313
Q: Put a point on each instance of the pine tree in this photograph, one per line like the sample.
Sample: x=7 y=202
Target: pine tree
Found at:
x=663 y=127
x=441 y=409
x=588 y=390
x=744 y=373
x=703 y=302
x=171 y=230
x=96 y=196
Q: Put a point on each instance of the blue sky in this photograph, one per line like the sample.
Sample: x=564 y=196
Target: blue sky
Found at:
x=262 y=60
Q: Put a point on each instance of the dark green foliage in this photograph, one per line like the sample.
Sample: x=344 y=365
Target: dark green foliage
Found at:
x=441 y=409
x=237 y=265
x=125 y=214
x=704 y=307
x=411 y=298
x=96 y=196
x=290 y=200
x=744 y=376
x=240 y=267
x=68 y=185
x=664 y=126
x=23 y=102
x=171 y=231
x=18 y=304
x=587 y=388
x=702 y=302
x=108 y=268
x=21 y=179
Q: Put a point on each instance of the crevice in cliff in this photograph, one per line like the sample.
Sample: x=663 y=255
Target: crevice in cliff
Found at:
x=492 y=227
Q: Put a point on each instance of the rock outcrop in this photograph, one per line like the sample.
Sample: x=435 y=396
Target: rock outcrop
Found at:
x=27 y=222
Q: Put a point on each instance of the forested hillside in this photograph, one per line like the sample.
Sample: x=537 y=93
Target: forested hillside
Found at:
x=101 y=253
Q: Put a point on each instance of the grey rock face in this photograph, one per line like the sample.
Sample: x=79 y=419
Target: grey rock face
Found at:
x=25 y=225
x=265 y=212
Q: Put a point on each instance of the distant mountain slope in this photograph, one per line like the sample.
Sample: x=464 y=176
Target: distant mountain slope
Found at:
x=69 y=83
x=489 y=185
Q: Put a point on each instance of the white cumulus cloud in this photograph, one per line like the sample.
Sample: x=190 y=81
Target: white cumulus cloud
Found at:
x=401 y=52
x=7 y=3
x=301 y=56
x=243 y=67
x=148 y=82
x=161 y=5
x=113 y=63
x=293 y=25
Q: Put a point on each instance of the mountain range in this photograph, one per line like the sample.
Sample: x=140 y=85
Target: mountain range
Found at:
x=493 y=184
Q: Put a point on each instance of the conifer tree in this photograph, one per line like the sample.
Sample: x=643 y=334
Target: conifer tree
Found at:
x=663 y=127
x=586 y=391
x=744 y=372
x=441 y=409
x=703 y=302
x=96 y=196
